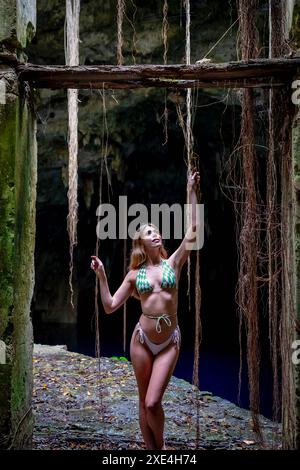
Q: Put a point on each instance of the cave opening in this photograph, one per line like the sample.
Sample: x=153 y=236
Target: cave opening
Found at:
x=150 y=173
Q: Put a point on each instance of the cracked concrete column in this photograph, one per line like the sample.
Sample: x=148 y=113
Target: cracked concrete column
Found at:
x=18 y=177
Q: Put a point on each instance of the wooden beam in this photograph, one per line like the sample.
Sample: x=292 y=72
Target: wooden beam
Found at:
x=253 y=73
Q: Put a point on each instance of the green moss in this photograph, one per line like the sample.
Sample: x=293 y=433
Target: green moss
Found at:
x=18 y=160
x=7 y=209
x=8 y=21
x=25 y=197
x=295 y=30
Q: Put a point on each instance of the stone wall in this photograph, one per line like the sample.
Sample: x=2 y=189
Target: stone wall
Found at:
x=18 y=178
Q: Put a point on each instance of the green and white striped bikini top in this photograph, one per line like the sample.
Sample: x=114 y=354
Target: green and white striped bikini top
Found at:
x=168 y=279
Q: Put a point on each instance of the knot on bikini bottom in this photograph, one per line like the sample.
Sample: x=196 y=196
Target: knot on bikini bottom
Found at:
x=164 y=317
x=176 y=335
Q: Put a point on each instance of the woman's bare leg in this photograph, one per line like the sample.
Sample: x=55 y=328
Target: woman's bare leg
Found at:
x=142 y=360
x=162 y=369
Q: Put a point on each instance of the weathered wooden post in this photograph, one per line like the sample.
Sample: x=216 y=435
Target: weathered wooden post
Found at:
x=18 y=175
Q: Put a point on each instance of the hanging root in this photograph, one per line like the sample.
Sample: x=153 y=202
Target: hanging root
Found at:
x=132 y=23
x=166 y=117
x=188 y=128
x=120 y=17
x=248 y=255
x=164 y=33
x=72 y=218
x=249 y=221
x=125 y=305
x=165 y=29
x=103 y=162
x=104 y=140
x=274 y=221
x=71 y=38
x=97 y=321
x=273 y=250
x=192 y=163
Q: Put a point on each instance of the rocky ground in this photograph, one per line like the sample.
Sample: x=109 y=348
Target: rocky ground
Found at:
x=75 y=410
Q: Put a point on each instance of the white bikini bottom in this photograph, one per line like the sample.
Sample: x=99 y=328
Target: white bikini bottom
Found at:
x=156 y=348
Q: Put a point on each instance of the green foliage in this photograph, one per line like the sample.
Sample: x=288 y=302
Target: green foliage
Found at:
x=120 y=358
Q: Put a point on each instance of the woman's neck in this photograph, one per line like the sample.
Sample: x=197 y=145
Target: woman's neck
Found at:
x=154 y=260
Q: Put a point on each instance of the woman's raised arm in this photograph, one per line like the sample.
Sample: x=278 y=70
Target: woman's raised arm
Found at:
x=180 y=256
x=112 y=303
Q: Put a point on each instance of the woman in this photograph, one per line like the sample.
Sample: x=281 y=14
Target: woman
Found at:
x=153 y=278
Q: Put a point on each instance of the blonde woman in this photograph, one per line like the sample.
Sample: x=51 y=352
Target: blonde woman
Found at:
x=154 y=349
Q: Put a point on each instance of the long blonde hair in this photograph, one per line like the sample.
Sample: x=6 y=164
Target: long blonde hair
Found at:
x=138 y=255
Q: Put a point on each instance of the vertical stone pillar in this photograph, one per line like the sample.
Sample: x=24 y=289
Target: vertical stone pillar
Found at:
x=293 y=30
x=296 y=161
x=18 y=178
